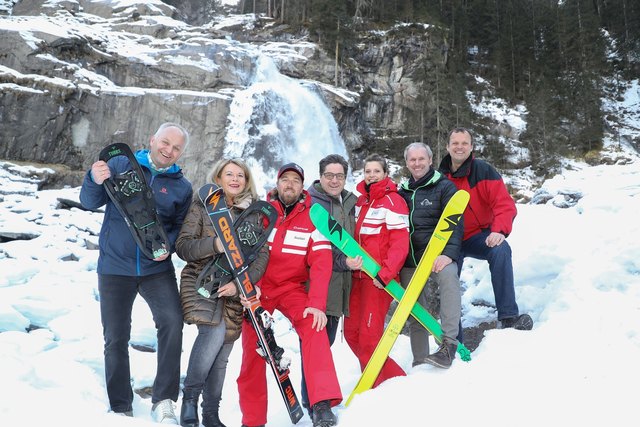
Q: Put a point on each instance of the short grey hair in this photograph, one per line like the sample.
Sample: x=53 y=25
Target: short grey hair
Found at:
x=182 y=130
x=417 y=145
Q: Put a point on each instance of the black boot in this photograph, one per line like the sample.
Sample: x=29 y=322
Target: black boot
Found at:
x=322 y=415
x=189 y=409
x=522 y=322
x=444 y=356
x=211 y=420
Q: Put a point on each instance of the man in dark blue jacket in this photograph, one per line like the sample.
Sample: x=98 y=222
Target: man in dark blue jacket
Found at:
x=124 y=271
x=427 y=193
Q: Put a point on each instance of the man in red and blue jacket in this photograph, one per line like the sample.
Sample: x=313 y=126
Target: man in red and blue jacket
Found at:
x=488 y=221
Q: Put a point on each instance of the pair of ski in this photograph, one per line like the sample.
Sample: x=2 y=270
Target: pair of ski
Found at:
x=407 y=299
x=213 y=200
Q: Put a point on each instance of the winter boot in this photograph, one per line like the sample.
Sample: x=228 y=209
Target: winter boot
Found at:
x=189 y=409
x=524 y=322
x=211 y=420
x=444 y=356
x=322 y=415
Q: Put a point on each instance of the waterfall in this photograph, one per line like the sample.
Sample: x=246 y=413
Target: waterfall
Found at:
x=277 y=120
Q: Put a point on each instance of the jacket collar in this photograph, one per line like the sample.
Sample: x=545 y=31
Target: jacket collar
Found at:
x=378 y=189
x=463 y=170
x=142 y=156
x=430 y=177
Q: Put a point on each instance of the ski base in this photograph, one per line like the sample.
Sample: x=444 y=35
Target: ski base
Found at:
x=334 y=232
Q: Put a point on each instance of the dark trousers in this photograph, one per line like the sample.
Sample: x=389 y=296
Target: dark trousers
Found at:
x=501 y=268
x=332 y=329
x=117 y=294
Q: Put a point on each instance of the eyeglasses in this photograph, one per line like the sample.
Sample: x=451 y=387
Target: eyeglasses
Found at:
x=330 y=176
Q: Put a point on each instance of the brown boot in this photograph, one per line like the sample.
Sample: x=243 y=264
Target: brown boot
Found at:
x=444 y=356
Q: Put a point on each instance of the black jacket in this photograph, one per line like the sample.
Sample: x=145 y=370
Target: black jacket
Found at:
x=426 y=199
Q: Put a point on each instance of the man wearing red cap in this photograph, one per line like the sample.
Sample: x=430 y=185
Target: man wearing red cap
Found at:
x=298 y=254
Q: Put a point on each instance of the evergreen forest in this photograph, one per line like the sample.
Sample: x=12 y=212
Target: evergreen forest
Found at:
x=559 y=58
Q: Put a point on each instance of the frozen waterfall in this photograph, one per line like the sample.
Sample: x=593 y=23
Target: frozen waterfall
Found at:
x=277 y=120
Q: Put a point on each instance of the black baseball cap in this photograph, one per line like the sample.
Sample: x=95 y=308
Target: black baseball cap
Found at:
x=291 y=167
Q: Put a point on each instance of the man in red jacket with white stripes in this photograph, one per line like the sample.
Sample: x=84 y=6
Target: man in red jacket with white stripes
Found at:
x=298 y=254
x=488 y=220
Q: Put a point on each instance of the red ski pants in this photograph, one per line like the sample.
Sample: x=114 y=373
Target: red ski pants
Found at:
x=319 y=370
x=364 y=327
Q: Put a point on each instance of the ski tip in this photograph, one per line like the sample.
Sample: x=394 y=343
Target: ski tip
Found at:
x=296 y=415
x=206 y=190
x=350 y=398
x=464 y=352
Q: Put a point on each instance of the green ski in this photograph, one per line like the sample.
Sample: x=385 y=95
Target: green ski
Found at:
x=445 y=227
x=333 y=231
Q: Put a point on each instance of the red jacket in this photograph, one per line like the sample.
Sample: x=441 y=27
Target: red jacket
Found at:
x=382 y=226
x=298 y=254
x=491 y=206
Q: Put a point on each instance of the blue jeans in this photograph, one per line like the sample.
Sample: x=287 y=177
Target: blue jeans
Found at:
x=501 y=268
x=117 y=294
x=208 y=366
x=332 y=329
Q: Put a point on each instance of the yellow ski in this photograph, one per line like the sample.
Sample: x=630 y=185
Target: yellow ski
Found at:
x=450 y=217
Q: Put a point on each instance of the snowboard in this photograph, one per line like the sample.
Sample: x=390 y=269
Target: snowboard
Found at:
x=133 y=198
x=451 y=215
x=212 y=197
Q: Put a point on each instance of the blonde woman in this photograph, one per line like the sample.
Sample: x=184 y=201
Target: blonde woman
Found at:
x=219 y=316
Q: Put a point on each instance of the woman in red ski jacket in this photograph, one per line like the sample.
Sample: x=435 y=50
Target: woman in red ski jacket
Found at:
x=382 y=230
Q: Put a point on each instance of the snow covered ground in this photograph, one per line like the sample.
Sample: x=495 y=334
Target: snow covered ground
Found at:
x=577 y=273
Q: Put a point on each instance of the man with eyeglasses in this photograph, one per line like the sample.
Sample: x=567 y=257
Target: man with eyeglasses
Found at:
x=329 y=192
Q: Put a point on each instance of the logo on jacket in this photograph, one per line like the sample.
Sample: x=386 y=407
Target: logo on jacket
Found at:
x=425 y=202
x=163 y=190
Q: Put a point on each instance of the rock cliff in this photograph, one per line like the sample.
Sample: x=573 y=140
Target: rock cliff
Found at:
x=77 y=75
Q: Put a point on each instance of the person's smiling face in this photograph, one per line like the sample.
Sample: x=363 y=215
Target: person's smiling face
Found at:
x=166 y=147
x=232 y=180
x=373 y=172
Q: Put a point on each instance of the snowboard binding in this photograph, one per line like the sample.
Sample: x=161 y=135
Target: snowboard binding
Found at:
x=277 y=351
x=215 y=273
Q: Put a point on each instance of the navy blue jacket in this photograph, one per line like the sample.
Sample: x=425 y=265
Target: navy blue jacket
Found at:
x=426 y=199
x=119 y=253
